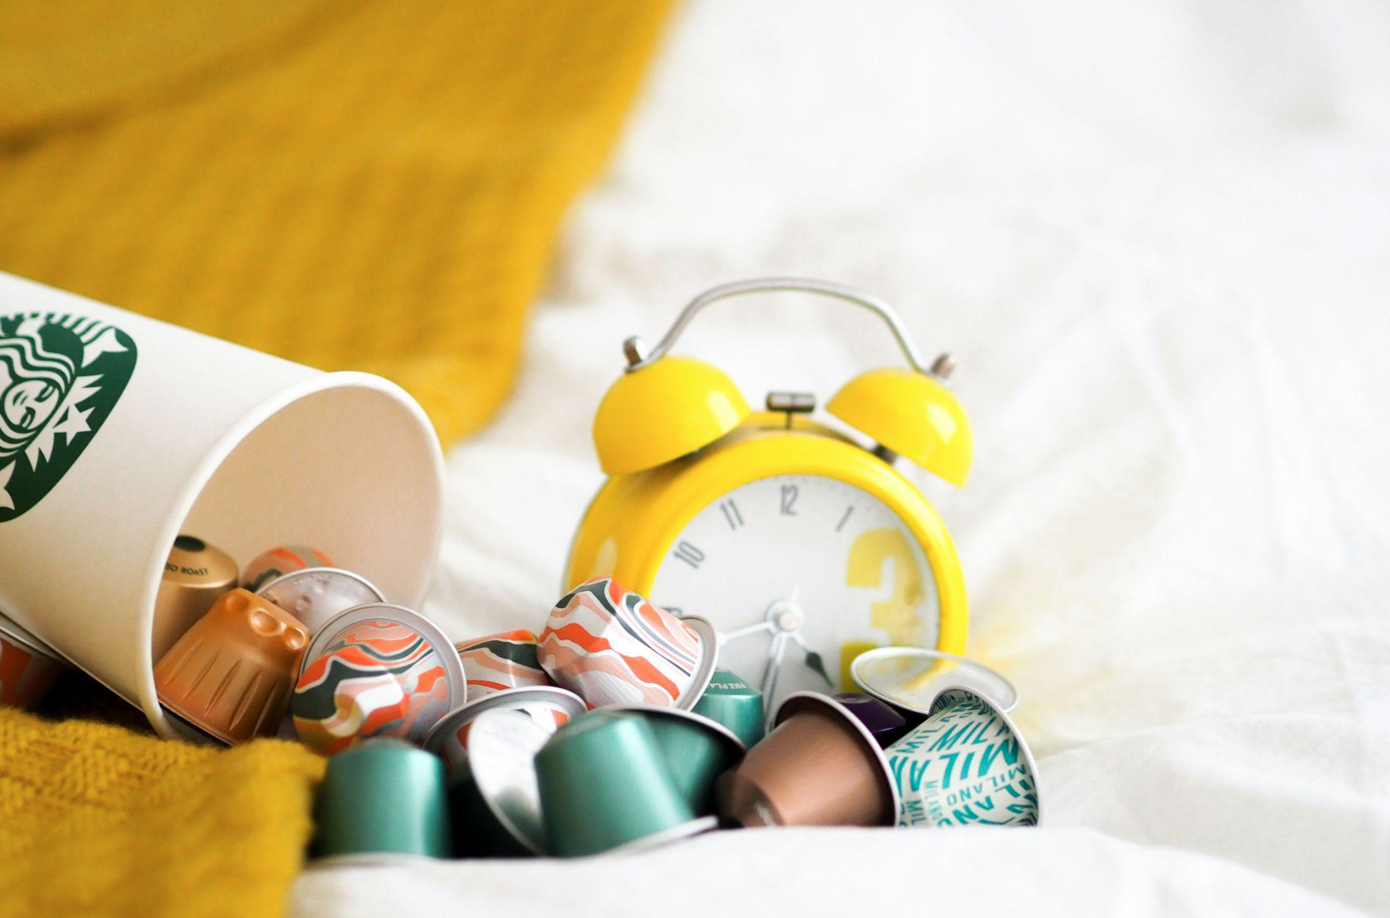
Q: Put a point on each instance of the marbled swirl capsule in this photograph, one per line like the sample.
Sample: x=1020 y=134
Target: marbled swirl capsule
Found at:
x=499 y=662
x=376 y=670
x=280 y=560
x=610 y=645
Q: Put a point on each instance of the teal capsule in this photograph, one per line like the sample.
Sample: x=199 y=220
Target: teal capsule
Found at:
x=697 y=751
x=382 y=796
x=603 y=783
x=736 y=705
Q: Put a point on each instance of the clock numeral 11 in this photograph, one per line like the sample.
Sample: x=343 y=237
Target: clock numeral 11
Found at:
x=731 y=514
x=689 y=554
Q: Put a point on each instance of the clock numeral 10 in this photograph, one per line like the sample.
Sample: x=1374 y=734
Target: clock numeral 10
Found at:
x=689 y=554
x=789 y=495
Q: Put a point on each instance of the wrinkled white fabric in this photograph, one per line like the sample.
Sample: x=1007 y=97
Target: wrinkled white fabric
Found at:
x=1156 y=235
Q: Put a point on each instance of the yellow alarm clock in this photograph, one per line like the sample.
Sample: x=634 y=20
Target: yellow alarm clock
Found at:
x=802 y=545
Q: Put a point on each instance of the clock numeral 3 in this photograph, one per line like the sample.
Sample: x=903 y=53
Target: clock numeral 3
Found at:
x=878 y=553
x=731 y=514
x=689 y=554
x=789 y=495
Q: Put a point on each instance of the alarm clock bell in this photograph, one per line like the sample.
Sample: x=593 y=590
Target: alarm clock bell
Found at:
x=662 y=411
x=666 y=407
x=913 y=414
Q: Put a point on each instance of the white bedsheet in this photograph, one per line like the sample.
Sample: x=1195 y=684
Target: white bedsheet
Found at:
x=1158 y=240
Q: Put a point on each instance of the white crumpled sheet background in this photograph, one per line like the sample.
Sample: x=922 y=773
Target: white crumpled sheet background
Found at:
x=1157 y=238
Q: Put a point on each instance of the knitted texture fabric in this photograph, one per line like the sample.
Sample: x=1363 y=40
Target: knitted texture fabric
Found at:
x=99 y=820
x=352 y=185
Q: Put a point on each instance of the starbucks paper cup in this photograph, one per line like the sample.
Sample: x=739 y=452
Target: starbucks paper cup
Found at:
x=118 y=433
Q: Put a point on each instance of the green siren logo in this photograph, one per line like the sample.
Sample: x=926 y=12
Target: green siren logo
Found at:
x=60 y=376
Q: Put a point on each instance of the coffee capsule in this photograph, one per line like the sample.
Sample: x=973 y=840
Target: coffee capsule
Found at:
x=966 y=765
x=879 y=718
x=498 y=800
x=28 y=667
x=493 y=831
x=697 y=751
x=281 y=560
x=735 y=704
x=549 y=706
x=609 y=645
x=316 y=594
x=230 y=674
x=912 y=678
x=375 y=670
x=819 y=766
x=501 y=661
x=380 y=801
x=196 y=575
x=603 y=783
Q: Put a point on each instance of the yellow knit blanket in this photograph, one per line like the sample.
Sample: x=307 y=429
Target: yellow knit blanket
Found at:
x=356 y=184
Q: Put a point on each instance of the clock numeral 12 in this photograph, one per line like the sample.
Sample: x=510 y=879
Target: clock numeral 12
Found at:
x=789 y=495
x=689 y=554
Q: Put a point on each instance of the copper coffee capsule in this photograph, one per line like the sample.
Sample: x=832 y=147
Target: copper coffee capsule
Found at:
x=819 y=767
x=195 y=576
x=231 y=674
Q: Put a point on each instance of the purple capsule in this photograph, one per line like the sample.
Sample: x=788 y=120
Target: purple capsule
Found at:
x=886 y=724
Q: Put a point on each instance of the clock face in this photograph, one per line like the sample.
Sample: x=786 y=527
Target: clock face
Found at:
x=802 y=570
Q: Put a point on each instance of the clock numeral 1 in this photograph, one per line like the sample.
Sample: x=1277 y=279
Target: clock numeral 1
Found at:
x=690 y=554
x=789 y=495
x=844 y=519
x=731 y=514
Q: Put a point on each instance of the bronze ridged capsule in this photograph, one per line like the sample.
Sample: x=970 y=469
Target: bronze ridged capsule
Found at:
x=818 y=767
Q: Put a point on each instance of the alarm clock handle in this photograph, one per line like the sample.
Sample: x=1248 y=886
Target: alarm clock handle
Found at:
x=637 y=360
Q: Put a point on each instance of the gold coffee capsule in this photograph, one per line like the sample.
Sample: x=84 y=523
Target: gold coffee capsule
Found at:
x=195 y=576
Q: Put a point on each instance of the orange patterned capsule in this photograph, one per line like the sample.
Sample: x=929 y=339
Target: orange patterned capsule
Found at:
x=501 y=661
x=610 y=645
x=27 y=667
x=375 y=670
x=282 y=559
x=231 y=674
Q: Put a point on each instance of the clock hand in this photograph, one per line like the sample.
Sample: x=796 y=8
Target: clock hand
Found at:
x=814 y=661
x=772 y=671
x=727 y=636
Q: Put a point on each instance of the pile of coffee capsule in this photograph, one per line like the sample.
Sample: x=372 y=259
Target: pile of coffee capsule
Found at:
x=613 y=729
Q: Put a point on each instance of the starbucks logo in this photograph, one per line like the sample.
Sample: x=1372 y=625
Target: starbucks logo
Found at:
x=60 y=376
